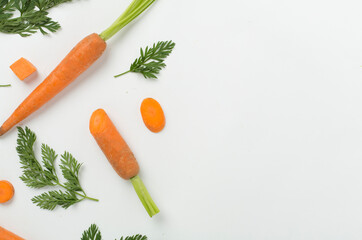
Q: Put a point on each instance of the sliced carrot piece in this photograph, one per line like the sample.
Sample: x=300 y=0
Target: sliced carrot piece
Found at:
x=6 y=191
x=22 y=68
x=152 y=115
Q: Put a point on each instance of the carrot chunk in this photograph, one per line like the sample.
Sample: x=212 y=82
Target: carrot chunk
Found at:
x=6 y=191
x=152 y=115
x=22 y=68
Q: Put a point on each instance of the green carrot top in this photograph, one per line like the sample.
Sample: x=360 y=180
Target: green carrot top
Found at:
x=133 y=11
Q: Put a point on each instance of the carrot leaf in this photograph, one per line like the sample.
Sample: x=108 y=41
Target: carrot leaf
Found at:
x=135 y=237
x=93 y=233
x=33 y=16
x=151 y=61
x=33 y=174
x=70 y=170
x=49 y=156
x=50 y=200
x=37 y=175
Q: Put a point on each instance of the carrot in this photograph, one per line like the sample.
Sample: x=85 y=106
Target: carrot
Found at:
x=7 y=235
x=152 y=115
x=119 y=155
x=22 y=68
x=80 y=58
x=6 y=191
x=76 y=62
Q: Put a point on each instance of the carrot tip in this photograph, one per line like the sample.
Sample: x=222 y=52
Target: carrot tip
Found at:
x=2 y=131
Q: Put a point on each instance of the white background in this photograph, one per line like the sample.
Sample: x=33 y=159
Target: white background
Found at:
x=264 y=121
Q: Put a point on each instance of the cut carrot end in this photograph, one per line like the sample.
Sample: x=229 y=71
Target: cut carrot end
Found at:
x=6 y=191
x=22 y=68
x=96 y=123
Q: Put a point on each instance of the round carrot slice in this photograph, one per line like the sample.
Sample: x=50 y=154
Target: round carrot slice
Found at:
x=152 y=115
x=6 y=191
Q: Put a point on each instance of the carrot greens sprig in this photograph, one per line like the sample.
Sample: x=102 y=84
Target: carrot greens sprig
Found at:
x=37 y=176
x=93 y=233
x=151 y=60
x=33 y=16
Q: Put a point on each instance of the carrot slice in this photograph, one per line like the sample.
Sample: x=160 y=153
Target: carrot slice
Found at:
x=6 y=191
x=22 y=68
x=152 y=115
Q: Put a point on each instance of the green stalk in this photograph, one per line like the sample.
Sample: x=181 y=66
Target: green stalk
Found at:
x=7 y=85
x=133 y=11
x=144 y=196
x=122 y=73
x=79 y=194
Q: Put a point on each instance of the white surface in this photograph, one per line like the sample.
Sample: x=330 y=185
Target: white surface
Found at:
x=264 y=121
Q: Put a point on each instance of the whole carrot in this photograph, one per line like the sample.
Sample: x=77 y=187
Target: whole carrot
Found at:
x=7 y=235
x=119 y=155
x=79 y=59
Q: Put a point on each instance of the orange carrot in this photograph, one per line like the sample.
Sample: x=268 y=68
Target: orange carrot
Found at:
x=22 y=68
x=7 y=235
x=119 y=155
x=81 y=57
x=112 y=144
x=6 y=191
x=152 y=115
x=77 y=61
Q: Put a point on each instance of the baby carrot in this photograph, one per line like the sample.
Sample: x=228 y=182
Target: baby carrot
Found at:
x=80 y=58
x=152 y=115
x=119 y=155
x=7 y=235
x=6 y=191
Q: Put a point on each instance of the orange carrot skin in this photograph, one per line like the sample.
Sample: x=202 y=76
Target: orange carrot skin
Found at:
x=79 y=59
x=7 y=235
x=113 y=145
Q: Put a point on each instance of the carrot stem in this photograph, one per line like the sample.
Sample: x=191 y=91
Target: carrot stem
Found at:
x=79 y=194
x=133 y=10
x=7 y=85
x=144 y=196
x=122 y=73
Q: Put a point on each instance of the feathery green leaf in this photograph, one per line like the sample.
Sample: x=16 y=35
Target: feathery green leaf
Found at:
x=151 y=61
x=70 y=169
x=135 y=237
x=36 y=175
x=33 y=16
x=50 y=200
x=92 y=233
